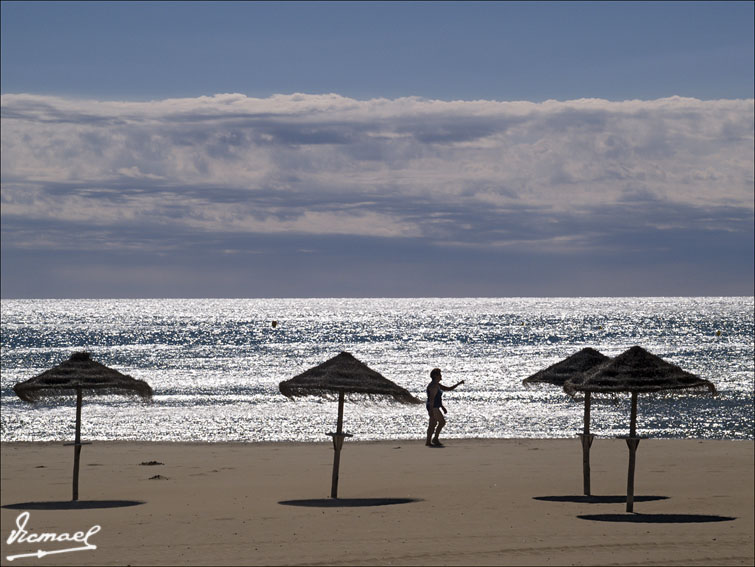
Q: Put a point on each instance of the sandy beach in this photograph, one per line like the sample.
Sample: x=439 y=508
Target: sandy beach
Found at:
x=473 y=502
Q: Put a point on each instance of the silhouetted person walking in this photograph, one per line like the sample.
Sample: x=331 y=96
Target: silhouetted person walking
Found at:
x=434 y=407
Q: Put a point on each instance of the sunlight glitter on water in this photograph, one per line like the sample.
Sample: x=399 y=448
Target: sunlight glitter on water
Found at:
x=215 y=364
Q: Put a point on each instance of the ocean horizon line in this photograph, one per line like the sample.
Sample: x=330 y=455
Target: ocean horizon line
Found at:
x=384 y=297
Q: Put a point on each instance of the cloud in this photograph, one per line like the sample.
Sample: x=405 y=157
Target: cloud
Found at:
x=557 y=177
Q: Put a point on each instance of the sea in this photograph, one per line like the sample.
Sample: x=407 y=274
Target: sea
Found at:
x=215 y=365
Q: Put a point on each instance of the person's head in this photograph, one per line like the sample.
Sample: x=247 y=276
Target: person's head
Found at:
x=435 y=374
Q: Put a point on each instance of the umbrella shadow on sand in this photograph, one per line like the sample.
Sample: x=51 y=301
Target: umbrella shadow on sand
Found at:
x=657 y=518
x=73 y=505
x=591 y=499
x=348 y=502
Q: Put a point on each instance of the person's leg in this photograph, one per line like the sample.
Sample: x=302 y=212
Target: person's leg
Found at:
x=441 y=422
x=431 y=427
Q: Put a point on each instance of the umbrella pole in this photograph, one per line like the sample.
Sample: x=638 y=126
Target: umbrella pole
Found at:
x=337 y=444
x=632 y=443
x=77 y=446
x=587 y=440
x=633 y=419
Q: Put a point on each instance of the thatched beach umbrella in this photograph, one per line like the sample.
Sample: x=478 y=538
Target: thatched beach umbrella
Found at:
x=77 y=376
x=557 y=374
x=639 y=372
x=343 y=375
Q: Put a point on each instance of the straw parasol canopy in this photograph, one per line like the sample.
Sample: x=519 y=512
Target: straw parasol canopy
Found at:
x=640 y=371
x=80 y=372
x=636 y=371
x=344 y=373
x=557 y=374
x=77 y=376
x=342 y=376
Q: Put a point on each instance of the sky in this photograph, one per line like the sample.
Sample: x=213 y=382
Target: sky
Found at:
x=371 y=149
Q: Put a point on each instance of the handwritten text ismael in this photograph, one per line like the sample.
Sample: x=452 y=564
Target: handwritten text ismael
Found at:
x=22 y=535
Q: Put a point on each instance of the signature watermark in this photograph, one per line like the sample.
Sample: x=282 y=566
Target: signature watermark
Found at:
x=22 y=535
